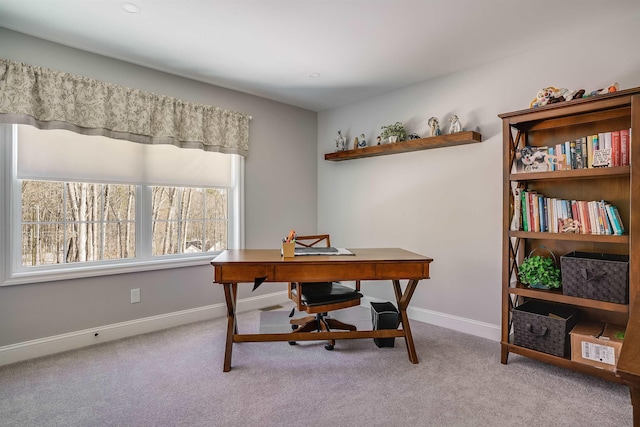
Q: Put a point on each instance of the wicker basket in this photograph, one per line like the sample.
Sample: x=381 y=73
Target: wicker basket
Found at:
x=603 y=277
x=543 y=326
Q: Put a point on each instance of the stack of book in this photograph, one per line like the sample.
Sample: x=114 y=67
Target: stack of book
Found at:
x=545 y=214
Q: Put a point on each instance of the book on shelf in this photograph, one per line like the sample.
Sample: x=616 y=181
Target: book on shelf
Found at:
x=615 y=149
x=604 y=218
x=523 y=210
x=615 y=225
x=624 y=147
x=618 y=219
x=542 y=213
x=570 y=153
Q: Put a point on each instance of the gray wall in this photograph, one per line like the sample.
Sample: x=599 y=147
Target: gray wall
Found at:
x=279 y=135
x=446 y=203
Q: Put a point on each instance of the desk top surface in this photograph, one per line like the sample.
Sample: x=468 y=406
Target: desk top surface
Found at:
x=393 y=255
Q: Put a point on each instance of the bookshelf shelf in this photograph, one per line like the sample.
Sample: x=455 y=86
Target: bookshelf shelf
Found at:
x=601 y=238
x=571 y=174
x=450 y=140
x=551 y=126
x=557 y=296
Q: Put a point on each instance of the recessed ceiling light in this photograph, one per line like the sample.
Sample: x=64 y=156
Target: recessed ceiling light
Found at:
x=130 y=7
x=314 y=75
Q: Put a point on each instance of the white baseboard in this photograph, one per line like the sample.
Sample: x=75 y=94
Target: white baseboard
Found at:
x=58 y=343
x=72 y=340
x=460 y=324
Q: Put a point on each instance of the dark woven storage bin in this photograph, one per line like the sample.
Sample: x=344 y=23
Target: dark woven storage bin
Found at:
x=603 y=277
x=533 y=327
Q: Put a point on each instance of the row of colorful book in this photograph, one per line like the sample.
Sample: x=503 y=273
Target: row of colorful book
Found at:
x=606 y=149
x=544 y=214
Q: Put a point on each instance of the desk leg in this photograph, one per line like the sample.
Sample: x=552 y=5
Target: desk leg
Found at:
x=403 y=303
x=230 y=295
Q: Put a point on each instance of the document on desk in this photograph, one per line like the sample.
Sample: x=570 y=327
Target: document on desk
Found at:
x=322 y=251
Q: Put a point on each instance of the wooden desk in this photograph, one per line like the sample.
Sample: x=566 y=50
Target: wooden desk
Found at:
x=245 y=265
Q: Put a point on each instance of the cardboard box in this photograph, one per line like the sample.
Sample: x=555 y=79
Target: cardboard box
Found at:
x=596 y=344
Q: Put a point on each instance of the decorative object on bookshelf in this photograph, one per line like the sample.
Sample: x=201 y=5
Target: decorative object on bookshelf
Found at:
x=540 y=272
x=532 y=159
x=551 y=95
x=341 y=142
x=434 y=126
x=544 y=326
x=413 y=136
x=454 y=124
x=570 y=225
x=394 y=132
x=602 y=158
x=598 y=276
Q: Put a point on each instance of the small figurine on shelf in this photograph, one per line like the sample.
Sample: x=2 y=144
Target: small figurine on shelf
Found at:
x=434 y=126
x=355 y=143
x=569 y=225
x=413 y=136
x=455 y=125
x=379 y=139
x=362 y=142
x=340 y=142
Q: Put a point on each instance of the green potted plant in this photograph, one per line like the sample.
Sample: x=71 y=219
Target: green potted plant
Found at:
x=539 y=272
x=394 y=132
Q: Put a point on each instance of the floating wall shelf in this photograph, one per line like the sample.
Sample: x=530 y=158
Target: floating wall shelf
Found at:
x=460 y=138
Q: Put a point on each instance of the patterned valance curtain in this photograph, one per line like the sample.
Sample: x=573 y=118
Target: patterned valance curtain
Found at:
x=49 y=99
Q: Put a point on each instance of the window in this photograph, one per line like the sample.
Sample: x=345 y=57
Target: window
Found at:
x=78 y=205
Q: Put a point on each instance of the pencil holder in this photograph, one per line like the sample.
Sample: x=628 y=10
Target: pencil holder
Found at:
x=288 y=249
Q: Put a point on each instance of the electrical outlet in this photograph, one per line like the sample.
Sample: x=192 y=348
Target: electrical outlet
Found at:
x=135 y=295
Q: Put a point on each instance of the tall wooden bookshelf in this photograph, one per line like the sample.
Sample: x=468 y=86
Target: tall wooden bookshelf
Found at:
x=620 y=186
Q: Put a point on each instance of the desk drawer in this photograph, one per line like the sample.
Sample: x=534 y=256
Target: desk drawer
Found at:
x=320 y=273
x=405 y=271
x=242 y=273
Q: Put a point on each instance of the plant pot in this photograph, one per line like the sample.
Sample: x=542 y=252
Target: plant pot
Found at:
x=539 y=286
x=393 y=138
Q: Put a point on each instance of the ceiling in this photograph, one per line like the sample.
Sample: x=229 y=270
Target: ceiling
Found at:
x=269 y=48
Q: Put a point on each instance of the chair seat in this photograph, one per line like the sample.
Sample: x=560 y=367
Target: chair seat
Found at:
x=321 y=293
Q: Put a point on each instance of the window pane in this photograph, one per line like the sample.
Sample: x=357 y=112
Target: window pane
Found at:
x=119 y=240
x=216 y=235
x=83 y=201
x=76 y=222
x=189 y=220
x=216 y=204
x=119 y=202
x=193 y=230
x=42 y=244
x=165 y=238
x=41 y=201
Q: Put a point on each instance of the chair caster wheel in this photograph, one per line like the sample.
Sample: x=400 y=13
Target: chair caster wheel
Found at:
x=292 y=343
x=328 y=347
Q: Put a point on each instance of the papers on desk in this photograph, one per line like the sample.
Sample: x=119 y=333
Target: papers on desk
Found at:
x=322 y=251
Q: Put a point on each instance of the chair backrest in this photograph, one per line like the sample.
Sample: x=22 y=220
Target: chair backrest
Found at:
x=313 y=240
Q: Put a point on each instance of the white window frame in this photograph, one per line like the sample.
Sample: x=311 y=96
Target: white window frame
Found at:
x=13 y=273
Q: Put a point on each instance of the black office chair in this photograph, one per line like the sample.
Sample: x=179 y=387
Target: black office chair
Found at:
x=319 y=298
